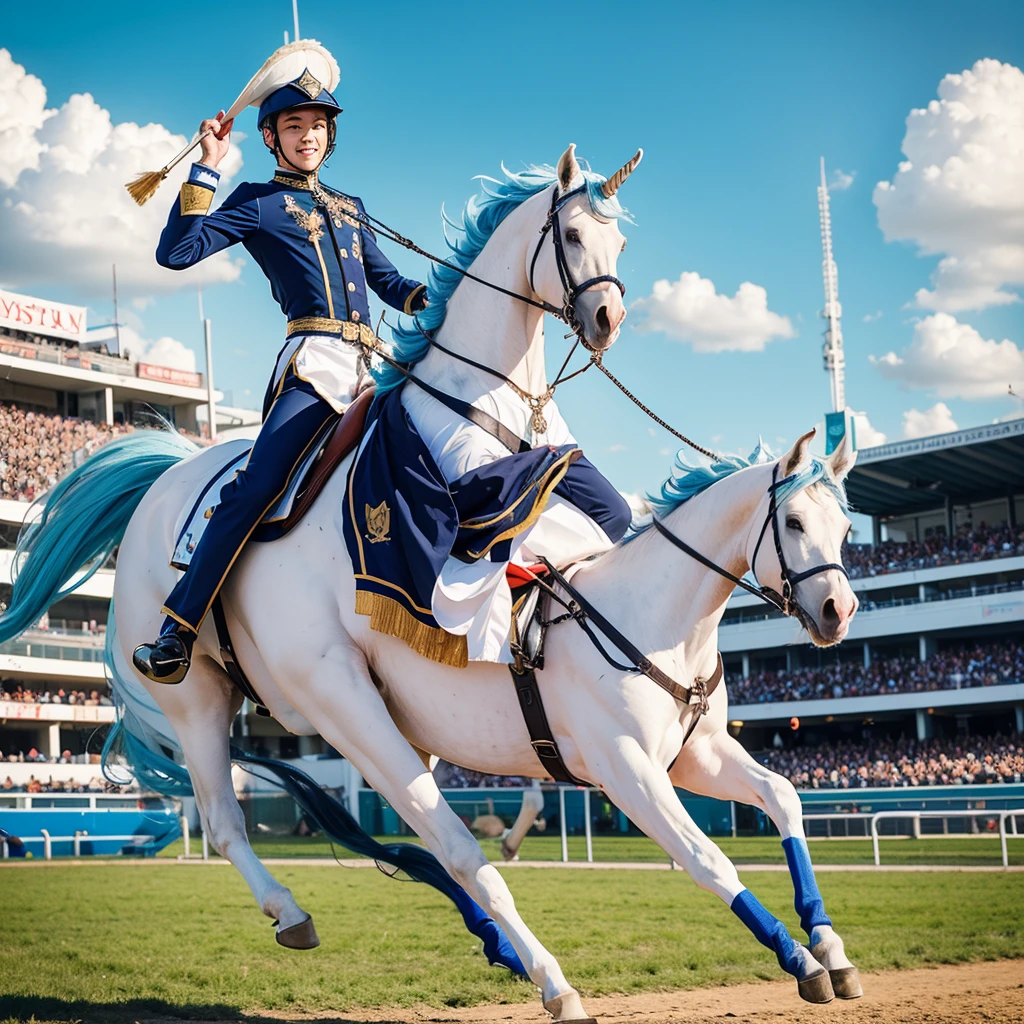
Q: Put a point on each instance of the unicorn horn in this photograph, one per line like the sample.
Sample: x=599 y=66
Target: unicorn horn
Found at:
x=614 y=183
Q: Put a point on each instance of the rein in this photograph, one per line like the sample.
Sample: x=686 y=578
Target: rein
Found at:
x=567 y=314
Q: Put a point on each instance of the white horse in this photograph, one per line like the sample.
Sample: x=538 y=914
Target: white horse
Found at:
x=321 y=669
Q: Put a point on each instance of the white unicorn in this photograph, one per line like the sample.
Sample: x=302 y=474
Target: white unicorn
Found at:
x=320 y=669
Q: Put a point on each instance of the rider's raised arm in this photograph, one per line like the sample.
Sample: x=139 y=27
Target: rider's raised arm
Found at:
x=383 y=277
x=193 y=233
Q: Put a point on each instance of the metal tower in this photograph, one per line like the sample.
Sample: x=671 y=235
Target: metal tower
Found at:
x=835 y=361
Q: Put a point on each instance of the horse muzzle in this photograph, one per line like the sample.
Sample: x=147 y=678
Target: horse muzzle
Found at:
x=600 y=312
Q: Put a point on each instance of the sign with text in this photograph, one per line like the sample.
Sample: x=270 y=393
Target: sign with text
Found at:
x=40 y=316
x=169 y=375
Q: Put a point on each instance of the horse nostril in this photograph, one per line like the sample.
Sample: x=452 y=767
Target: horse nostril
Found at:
x=829 y=613
x=604 y=325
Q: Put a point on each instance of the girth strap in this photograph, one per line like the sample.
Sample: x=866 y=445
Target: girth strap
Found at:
x=230 y=660
x=542 y=739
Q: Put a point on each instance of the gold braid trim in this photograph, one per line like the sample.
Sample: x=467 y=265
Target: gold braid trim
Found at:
x=195 y=200
x=389 y=617
x=412 y=297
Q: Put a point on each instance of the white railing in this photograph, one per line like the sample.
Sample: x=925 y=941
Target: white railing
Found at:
x=586 y=823
x=47 y=840
x=916 y=816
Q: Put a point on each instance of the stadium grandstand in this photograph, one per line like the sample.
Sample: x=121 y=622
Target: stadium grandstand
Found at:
x=63 y=393
x=927 y=691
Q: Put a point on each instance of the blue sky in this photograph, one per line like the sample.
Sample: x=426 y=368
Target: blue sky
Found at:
x=733 y=105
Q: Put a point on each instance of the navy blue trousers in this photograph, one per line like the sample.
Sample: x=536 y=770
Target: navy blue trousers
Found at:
x=294 y=420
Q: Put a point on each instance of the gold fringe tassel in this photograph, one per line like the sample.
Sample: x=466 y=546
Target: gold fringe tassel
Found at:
x=145 y=185
x=389 y=617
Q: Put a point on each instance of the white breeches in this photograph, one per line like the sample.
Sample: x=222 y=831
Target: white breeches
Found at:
x=474 y=600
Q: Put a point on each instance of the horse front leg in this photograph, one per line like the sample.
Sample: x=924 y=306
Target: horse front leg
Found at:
x=717 y=765
x=642 y=790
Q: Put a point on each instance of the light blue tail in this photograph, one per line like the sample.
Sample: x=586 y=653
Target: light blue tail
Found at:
x=73 y=529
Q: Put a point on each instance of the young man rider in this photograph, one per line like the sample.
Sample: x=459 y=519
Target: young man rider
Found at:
x=310 y=242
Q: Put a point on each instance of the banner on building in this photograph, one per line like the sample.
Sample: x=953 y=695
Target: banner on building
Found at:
x=40 y=316
x=168 y=375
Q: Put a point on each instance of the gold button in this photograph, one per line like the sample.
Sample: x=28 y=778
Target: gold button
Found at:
x=344 y=253
x=355 y=315
x=351 y=286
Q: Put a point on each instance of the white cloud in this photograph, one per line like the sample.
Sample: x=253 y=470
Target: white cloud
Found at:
x=841 y=180
x=691 y=310
x=867 y=436
x=618 y=448
x=959 y=194
x=164 y=351
x=65 y=216
x=953 y=360
x=936 y=420
x=22 y=113
x=870 y=318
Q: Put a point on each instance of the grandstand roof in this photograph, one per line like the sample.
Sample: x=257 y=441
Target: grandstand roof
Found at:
x=972 y=465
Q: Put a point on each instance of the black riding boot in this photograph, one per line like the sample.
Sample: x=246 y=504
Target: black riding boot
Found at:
x=168 y=659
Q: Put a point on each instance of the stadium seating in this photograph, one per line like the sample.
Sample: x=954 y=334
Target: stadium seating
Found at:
x=970 y=544
x=980 y=665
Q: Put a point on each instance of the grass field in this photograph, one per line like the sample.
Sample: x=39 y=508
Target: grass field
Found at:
x=979 y=851
x=119 y=941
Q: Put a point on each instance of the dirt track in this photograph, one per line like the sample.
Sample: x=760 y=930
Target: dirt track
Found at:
x=966 y=994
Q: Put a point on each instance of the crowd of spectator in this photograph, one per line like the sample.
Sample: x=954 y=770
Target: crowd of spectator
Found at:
x=451 y=776
x=95 y=785
x=955 y=669
x=25 y=695
x=36 y=449
x=969 y=544
x=900 y=763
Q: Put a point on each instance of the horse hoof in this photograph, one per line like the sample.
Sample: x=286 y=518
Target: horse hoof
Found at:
x=562 y=1006
x=299 y=936
x=817 y=988
x=846 y=983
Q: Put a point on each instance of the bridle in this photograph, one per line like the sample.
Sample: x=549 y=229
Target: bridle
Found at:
x=784 y=602
x=571 y=291
x=567 y=313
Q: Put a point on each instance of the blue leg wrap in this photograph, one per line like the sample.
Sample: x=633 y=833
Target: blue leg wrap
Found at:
x=768 y=930
x=497 y=947
x=807 y=900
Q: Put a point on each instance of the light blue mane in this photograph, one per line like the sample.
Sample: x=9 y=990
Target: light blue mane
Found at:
x=688 y=480
x=480 y=218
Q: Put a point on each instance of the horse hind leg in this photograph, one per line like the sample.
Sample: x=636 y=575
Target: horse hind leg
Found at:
x=336 y=692
x=202 y=719
x=533 y=804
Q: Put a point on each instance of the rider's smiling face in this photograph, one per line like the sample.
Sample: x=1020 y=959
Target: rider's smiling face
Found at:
x=303 y=137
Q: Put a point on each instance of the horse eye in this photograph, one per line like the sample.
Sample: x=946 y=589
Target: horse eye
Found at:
x=792 y=523
x=573 y=236
x=623 y=249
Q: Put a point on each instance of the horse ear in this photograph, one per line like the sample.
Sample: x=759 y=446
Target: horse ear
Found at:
x=567 y=167
x=842 y=460
x=798 y=454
